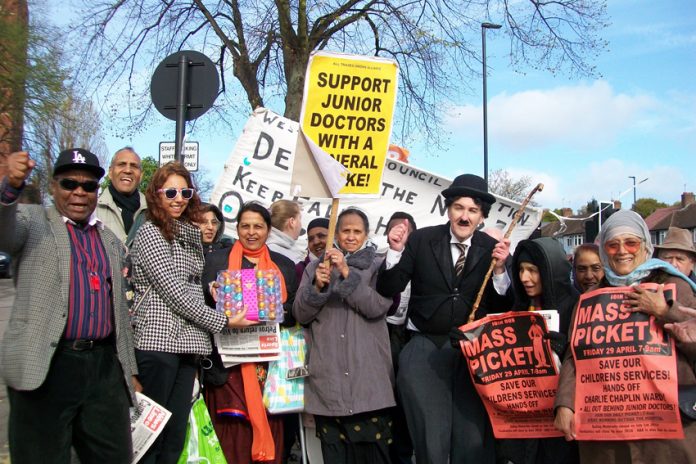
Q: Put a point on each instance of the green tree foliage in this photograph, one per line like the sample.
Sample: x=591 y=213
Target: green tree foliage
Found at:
x=592 y=206
x=548 y=217
x=265 y=45
x=646 y=206
x=149 y=165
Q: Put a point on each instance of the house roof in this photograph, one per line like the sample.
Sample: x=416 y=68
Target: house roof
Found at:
x=685 y=217
x=672 y=216
x=661 y=218
x=574 y=226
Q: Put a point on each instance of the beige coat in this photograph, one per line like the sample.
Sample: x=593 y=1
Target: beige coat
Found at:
x=110 y=214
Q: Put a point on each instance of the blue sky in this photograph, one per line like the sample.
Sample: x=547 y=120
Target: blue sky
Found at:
x=581 y=137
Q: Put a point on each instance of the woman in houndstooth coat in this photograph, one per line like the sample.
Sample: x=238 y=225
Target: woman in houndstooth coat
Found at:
x=172 y=322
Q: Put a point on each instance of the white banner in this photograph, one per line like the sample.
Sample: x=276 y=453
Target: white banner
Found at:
x=260 y=167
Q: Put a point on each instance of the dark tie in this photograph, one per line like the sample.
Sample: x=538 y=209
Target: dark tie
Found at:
x=459 y=265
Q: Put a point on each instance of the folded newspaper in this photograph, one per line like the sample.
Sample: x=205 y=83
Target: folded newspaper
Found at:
x=255 y=343
x=147 y=421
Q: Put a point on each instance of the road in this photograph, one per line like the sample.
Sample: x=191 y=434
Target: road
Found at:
x=6 y=299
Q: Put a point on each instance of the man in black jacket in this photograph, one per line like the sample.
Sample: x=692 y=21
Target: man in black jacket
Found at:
x=446 y=266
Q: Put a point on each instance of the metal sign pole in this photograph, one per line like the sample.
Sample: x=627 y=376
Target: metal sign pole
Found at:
x=181 y=107
x=186 y=95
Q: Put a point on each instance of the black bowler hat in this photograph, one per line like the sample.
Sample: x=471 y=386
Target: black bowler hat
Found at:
x=469 y=185
x=78 y=158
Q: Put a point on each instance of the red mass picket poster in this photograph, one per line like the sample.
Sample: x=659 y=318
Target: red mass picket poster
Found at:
x=512 y=368
x=626 y=371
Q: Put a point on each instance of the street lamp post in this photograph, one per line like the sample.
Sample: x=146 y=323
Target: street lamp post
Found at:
x=634 y=187
x=485 y=26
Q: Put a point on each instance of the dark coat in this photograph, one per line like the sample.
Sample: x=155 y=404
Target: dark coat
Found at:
x=557 y=290
x=439 y=299
x=558 y=293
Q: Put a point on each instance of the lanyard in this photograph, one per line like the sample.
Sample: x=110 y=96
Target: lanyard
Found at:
x=94 y=281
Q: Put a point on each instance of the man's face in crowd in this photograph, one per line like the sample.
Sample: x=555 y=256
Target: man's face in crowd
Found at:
x=680 y=259
x=465 y=216
x=77 y=205
x=125 y=172
x=316 y=240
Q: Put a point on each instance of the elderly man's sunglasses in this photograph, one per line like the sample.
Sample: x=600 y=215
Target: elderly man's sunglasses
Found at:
x=71 y=184
x=171 y=193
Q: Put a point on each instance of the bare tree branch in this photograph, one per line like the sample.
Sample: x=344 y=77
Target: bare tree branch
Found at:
x=435 y=42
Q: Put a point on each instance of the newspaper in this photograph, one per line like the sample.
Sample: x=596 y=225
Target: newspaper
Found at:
x=255 y=343
x=147 y=421
x=229 y=360
x=551 y=316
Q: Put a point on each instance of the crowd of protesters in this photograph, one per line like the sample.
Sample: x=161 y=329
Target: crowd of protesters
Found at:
x=387 y=383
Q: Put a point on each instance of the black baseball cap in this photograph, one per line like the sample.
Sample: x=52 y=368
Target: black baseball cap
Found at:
x=78 y=158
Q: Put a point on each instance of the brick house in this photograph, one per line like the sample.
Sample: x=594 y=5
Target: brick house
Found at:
x=682 y=216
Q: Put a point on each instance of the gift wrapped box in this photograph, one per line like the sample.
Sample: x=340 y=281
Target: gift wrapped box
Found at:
x=257 y=290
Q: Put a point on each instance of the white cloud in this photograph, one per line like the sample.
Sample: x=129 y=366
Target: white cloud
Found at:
x=583 y=116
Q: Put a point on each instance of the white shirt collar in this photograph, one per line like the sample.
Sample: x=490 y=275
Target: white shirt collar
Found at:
x=454 y=240
x=93 y=221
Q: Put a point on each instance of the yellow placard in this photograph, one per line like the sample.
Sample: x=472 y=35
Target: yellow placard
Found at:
x=347 y=112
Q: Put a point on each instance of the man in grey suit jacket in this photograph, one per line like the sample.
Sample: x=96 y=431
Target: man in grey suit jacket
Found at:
x=67 y=354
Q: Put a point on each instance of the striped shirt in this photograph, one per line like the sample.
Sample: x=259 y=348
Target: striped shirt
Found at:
x=90 y=312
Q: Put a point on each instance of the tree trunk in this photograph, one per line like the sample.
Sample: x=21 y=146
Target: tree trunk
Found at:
x=14 y=16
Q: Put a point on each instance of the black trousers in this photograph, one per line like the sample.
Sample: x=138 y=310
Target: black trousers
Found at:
x=168 y=378
x=82 y=403
x=446 y=419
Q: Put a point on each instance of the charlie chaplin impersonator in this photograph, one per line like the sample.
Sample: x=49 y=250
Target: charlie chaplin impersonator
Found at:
x=446 y=265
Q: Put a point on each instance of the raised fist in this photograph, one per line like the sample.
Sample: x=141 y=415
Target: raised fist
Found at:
x=19 y=167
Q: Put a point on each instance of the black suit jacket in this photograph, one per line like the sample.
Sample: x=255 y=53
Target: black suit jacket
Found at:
x=439 y=299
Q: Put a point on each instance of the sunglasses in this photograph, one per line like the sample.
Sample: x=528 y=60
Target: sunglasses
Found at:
x=632 y=245
x=171 y=193
x=71 y=184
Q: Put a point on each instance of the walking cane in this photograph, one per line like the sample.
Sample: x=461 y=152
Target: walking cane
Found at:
x=512 y=225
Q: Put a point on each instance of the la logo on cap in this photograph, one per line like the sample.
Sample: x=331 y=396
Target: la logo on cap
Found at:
x=78 y=158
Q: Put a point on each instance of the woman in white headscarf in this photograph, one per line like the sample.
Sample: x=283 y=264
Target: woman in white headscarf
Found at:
x=625 y=250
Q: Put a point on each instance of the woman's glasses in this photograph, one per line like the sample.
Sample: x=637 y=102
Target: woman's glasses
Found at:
x=171 y=193
x=71 y=184
x=631 y=245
